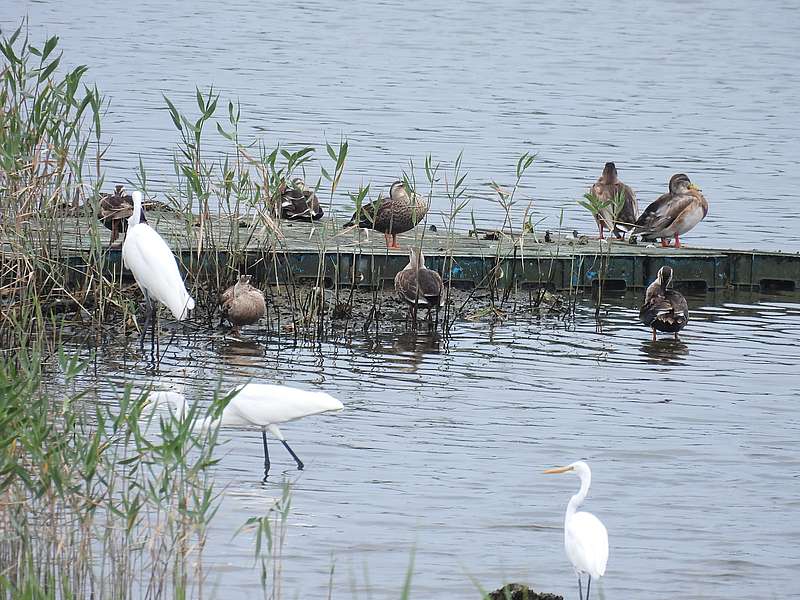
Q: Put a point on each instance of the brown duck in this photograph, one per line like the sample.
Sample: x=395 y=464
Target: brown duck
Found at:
x=608 y=188
x=299 y=203
x=664 y=309
x=417 y=285
x=674 y=213
x=114 y=212
x=242 y=304
x=398 y=213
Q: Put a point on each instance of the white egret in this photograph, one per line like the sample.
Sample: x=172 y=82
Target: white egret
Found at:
x=585 y=536
x=260 y=405
x=153 y=265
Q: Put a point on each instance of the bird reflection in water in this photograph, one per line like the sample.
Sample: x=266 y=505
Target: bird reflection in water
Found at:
x=241 y=353
x=414 y=345
x=664 y=350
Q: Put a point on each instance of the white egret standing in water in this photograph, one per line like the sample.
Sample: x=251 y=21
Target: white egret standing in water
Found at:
x=154 y=267
x=585 y=536
x=260 y=405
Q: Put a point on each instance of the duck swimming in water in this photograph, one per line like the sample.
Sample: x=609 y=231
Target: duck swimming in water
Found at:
x=299 y=203
x=609 y=189
x=419 y=286
x=664 y=309
x=114 y=211
x=674 y=213
x=242 y=304
x=398 y=213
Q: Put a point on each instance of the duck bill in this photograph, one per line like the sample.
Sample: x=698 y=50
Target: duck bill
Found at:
x=558 y=470
x=693 y=186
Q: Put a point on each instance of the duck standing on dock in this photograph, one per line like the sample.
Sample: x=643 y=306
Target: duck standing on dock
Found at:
x=155 y=269
x=609 y=189
x=398 y=213
x=299 y=203
x=242 y=304
x=115 y=210
x=419 y=286
x=664 y=309
x=674 y=213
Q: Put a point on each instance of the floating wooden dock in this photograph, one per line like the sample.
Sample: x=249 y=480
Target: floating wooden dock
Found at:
x=326 y=253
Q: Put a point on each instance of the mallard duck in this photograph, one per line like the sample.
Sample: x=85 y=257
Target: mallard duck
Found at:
x=607 y=189
x=299 y=203
x=115 y=209
x=393 y=215
x=242 y=304
x=417 y=285
x=664 y=309
x=674 y=213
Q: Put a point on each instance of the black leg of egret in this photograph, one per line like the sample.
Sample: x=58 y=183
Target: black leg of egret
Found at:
x=266 y=454
x=147 y=316
x=294 y=456
x=588 y=585
x=154 y=324
x=580 y=587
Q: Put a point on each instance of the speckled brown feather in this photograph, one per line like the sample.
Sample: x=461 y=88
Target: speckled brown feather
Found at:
x=607 y=188
x=669 y=210
x=300 y=203
x=242 y=304
x=417 y=284
x=395 y=214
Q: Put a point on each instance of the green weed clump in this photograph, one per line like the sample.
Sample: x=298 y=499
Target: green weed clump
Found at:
x=97 y=501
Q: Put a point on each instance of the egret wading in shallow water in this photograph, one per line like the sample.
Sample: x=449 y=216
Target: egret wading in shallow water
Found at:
x=260 y=405
x=585 y=536
x=153 y=265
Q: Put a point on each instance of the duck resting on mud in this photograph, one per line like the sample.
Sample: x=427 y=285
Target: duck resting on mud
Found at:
x=664 y=309
x=674 y=213
x=419 y=286
x=242 y=304
x=398 y=213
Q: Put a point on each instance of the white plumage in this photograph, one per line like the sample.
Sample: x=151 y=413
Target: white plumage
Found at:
x=585 y=536
x=153 y=265
x=260 y=405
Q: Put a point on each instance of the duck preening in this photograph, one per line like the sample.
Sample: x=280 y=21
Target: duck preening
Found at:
x=299 y=203
x=242 y=304
x=154 y=267
x=674 y=213
x=664 y=309
x=620 y=209
x=115 y=210
x=258 y=405
x=419 y=286
x=398 y=213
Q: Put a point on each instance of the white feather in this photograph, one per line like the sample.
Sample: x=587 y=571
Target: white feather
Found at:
x=153 y=265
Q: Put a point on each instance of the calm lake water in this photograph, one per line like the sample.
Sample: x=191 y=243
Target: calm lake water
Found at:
x=710 y=89
x=693 y=445
x=442 y=445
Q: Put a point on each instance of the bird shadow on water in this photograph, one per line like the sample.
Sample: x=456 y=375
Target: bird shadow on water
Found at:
x=664 y=351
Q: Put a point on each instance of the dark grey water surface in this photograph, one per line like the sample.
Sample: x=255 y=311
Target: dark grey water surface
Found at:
x=693 y=445
x=711 y=89
x=441 y=448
